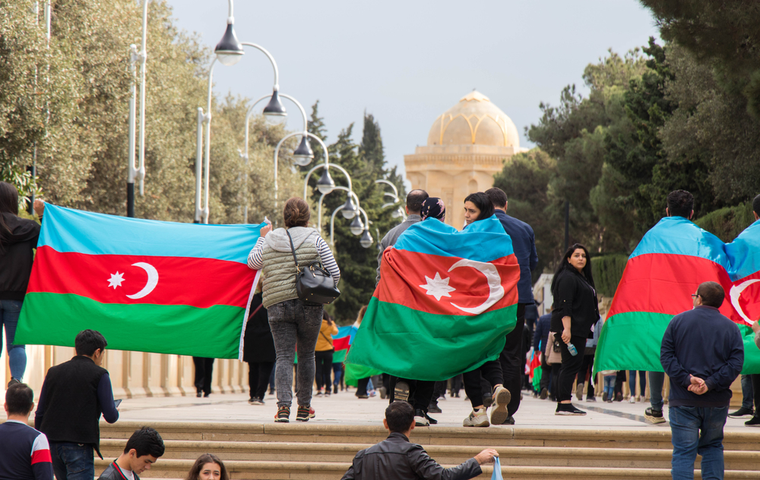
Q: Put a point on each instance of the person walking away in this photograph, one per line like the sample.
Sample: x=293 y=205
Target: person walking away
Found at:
x=204 y=369
x=587 y=367
x=575 y=311
x=680 y=203
x=143 y=449
x=323 y=354
x=540 y=338
x=610 y=377
x=258 y=350
x=397 y=458
x=524 y=244
x=294 y=323
x=18 y=239
x=702 y=352
x=24 y=451
x=73 y=396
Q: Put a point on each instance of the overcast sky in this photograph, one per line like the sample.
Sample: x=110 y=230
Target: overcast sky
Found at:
x=406 y=62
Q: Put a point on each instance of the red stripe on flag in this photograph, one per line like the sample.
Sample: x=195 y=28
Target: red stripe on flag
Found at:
x=198 y=282
x=406 y=278
x=663 y=283
x=341 y=343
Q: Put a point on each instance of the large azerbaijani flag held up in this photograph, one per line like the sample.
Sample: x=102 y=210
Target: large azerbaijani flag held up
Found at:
x=146 y=285
x=445 y=302
x=667 y=266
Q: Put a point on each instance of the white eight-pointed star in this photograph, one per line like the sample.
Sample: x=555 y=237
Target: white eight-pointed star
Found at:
x=115 y=280
x=438 y=287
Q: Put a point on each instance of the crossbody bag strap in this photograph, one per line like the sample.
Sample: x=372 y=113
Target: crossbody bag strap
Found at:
x=325 y=337
x=293 y=249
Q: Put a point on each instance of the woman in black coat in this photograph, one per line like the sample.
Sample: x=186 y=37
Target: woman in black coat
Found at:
x=575 y=312
x=258 y=350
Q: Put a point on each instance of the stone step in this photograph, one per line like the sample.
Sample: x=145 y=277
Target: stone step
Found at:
x=267 y=470
x=653 y=437
x=510 y=455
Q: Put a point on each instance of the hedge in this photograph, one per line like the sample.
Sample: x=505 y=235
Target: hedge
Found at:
x=727 y=223
x=607 y=271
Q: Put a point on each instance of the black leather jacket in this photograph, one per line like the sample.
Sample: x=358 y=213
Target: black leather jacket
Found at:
x=397 y=458
x=112 y=473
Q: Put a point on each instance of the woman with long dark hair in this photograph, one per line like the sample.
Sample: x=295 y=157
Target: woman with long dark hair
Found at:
x=18 y=239
x=575 y=311
x=477 y=207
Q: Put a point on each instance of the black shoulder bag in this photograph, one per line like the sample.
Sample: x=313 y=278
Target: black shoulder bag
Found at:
x=314 y=284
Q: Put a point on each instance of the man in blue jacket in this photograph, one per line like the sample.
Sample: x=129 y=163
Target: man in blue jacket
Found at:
x=524 y=245
x=702 y=352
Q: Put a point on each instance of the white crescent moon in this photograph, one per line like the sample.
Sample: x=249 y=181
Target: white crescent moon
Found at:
x=496 y=291
x=152 y=280
x=736 y=292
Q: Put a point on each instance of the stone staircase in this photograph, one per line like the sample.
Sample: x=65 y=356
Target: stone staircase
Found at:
x=322 y=452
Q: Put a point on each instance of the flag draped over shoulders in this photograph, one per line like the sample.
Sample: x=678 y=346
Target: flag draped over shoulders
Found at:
x=146 y=285
x=662 y=273
x=445 y=302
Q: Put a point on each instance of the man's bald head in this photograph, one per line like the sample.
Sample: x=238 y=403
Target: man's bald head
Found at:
x=414 y=201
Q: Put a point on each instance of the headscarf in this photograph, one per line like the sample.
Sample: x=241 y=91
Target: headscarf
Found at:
x=433 y=207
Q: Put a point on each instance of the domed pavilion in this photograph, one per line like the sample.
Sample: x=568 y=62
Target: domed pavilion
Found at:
x=466 y=146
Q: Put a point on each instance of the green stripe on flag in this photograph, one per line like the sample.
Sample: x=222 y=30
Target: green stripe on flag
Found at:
x=55 y=319
x=409 y=343
x=631 y=341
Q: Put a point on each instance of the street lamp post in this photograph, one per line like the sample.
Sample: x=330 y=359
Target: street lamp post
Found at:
x=398 y=212
x=228 y=52
x=350 y=194
x=303 y=154
x=137 y=172
x=365 y=241
x=325 y=184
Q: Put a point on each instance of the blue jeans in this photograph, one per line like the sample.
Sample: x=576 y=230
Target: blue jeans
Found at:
x=656 y=380
x=9 y=312
x=748 y=396
x=697 y=430
x=72 y=461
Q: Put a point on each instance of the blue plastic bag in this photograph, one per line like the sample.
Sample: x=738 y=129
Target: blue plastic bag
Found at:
x=496 y=469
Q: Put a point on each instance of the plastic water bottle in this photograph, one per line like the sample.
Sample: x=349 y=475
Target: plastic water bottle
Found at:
x=571 y=348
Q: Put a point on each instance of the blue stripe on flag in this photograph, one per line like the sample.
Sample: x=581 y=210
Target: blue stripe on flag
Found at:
x=68 y=230
x=434 y=237
x=744 y=253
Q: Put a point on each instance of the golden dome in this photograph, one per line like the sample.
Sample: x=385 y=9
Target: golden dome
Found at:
x=474 y=120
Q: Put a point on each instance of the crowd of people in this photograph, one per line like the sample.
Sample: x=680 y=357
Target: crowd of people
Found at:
x=290 y=342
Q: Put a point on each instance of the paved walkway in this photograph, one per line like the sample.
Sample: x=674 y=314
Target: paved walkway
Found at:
x=344 y=407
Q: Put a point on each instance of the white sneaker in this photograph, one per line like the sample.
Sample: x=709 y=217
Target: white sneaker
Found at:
x=501 y=398
x=478 y=418
x=633 y=399
x=421 y=421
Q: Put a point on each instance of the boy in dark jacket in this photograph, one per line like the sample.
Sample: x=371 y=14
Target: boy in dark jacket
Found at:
x=142 y=450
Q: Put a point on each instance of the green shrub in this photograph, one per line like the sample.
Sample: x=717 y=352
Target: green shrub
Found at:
x=728 y=222
x=607 y=271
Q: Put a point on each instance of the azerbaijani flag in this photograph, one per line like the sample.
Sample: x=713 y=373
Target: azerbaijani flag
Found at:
x=667 y=266
x=146 y=285
x=744 y=291
x=445 y=302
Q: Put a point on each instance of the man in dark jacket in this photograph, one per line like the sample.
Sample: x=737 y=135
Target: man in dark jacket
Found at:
x=142 y=450
x=524 y=245
x=539 y=344
x=73 y=396
x=399 y=459
x=702 y=352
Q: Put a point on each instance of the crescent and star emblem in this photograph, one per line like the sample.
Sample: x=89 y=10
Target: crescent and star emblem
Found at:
x=439 y=287
x=736 y=293
x=118 y=278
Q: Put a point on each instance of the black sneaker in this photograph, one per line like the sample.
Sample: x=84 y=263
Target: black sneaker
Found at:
x=434 y=408
x=742 y=412
x=401 y=392
x=13 y=381
x=568 y=409
x=430 y=419
x=753 y=422
x=283 y=415
x=420 y=419
x=544 y=393
x=654 y=416
x=304 y=413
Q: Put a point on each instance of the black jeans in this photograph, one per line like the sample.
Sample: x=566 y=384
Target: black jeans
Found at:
x=756 y=389
x=420 y=392
x=546 y=373
x=491 y=372
x=571 y=365
x=323 y=369
x=204 y=367
x=512 y=361
x=258 y=378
